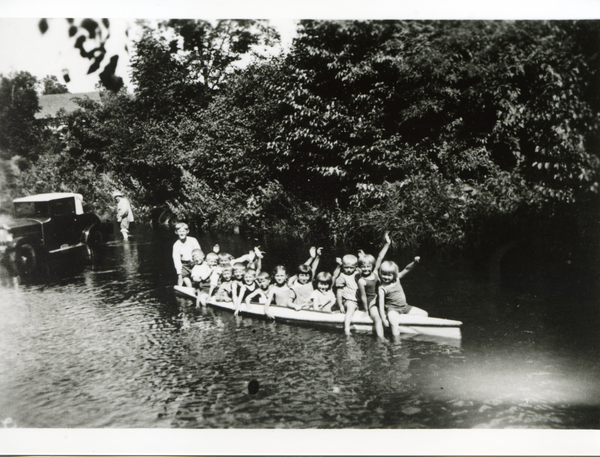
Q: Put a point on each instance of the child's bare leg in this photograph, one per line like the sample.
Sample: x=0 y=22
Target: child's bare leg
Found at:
x=203 y=299
x=377 y=322
x=418 y=312
x=327 y=308
x=187 y=282
x=394 y=319
x=350 y=308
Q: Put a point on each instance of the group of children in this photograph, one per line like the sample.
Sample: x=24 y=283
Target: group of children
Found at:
x=359 y=282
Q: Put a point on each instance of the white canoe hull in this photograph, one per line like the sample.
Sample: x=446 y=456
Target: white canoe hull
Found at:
x=361 y=321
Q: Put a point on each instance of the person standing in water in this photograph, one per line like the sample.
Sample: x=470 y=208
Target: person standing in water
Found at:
x=124 y=213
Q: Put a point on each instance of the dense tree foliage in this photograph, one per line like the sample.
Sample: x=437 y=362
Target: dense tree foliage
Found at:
x=209 y=51
x=50 y=85
x=18 y=105
x=177 y=81
x=452 y=134
x=432 y=125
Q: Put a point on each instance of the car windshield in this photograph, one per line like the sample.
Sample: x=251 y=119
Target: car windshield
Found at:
x=31 y=209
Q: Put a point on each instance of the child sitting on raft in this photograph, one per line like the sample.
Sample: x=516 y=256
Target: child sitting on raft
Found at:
x=368 y=282
x=222 y=291
x=250 y=260
x=323 y=298
x=392 y=300
x=203 y=277
x=247 y=286
x=280 y=293
x=302 y=282
x=347 y=289
x=263 y=281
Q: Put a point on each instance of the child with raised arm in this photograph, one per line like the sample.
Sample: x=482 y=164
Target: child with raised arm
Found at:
x=347 y=289
x=182 y=253
x=247 y=286
x=280 y=293
x=323 y=298
x=302 y=282
x=239 y=272
x=392 y=300
x=252 y=259
x=368 y=283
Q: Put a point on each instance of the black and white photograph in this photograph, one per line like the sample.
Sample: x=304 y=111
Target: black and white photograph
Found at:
x=310 y=231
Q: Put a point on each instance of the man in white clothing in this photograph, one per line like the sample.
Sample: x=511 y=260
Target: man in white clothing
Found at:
x=124 y=213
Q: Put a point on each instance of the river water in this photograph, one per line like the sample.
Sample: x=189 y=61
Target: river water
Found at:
x=111 y=346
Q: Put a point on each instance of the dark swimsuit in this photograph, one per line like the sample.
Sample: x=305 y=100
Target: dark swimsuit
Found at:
x=395 y=300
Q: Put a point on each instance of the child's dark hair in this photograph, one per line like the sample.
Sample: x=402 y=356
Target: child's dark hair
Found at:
x=324 y=277
x=305 y=270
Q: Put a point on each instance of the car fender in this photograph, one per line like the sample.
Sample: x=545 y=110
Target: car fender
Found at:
x=87 y=235
x=32 y=241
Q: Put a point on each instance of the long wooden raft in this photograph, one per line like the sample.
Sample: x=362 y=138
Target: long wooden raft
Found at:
x=361 y=321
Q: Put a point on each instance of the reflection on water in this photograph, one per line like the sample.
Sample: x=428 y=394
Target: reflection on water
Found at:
x=112 y=346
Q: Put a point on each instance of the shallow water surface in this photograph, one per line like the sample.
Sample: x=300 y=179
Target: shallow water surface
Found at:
x=113 y=346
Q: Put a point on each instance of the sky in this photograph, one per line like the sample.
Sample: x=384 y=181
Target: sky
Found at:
x=24 y=48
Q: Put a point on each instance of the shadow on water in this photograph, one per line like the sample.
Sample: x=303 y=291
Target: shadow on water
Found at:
x=108 y=344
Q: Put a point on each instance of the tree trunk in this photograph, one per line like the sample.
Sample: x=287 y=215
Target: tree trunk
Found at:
x=495 y=277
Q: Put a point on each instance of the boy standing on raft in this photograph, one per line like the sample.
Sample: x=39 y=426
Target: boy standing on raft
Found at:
x=182 y=252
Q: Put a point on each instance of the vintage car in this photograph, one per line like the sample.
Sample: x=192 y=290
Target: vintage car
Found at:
x=47 y=224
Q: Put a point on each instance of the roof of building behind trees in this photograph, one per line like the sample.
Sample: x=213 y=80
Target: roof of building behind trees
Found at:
x=51 y=104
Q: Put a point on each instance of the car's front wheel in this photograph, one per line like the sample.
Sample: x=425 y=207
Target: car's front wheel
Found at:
x=25 y=260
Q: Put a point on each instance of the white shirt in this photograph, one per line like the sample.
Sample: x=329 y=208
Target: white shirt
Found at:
x=124 y=209
x=183 y=251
